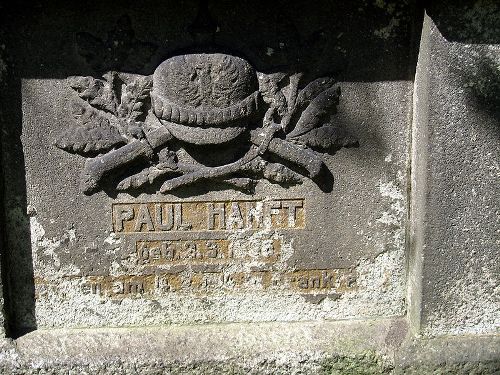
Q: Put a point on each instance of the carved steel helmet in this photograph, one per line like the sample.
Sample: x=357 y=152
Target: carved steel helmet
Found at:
x=205 y=98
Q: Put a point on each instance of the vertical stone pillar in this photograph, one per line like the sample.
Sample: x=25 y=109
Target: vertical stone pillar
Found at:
x=454 y=267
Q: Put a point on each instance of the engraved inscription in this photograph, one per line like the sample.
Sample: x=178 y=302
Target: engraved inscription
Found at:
x=208 y=247
x=169 y=252
x=120 y=286
x=305 y=282
x=317 y=280
x=208 y=216
x=205 y=251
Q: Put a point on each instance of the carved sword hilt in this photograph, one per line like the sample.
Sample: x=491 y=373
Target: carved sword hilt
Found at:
x=301 y=156
x=95 y=169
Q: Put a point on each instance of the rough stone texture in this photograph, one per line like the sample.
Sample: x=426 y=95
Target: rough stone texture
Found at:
x=339 y=348
x=357 y=228
x=455 y=273
x=453 y=270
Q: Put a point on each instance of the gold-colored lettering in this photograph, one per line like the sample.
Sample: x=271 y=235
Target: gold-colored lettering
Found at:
x=143 y=218
x=291 y=206
x=235 y=219
x=164 y=216
x=122 y=213
x=213 y=210
x=271 y=208
x=179 y=223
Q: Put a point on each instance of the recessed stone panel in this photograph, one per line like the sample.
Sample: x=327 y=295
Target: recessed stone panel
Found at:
x=188 y=164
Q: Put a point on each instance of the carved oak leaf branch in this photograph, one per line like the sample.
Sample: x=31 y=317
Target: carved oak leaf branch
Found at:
x=291 y=100
x=312 y=90
x=315 y=112
x=308 y=108
x=98 y=93
x=121 y=97
x=92 y=135
x=135 y=94
x=314 y=104
x=328 y=138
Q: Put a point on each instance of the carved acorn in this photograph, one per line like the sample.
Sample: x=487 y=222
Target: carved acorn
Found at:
x=205 y=98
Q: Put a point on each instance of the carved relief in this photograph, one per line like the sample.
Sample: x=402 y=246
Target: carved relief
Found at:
x=202 y=117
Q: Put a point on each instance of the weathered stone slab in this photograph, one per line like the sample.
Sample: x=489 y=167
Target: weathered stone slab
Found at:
x=247 y=163
x=221 y=165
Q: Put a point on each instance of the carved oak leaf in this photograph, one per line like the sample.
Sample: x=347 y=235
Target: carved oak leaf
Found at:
x=328 y=138
x=98 y=93
x=91 y=136
x=319 y=108
x=312 y=90
x=135 y=95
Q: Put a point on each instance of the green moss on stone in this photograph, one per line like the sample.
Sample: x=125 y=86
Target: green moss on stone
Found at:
x=367 y=364
x=467 y=368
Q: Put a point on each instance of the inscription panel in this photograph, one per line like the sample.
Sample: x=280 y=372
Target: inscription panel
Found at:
x=207 y=216
x=233 y=246
x=333 y=281
x=205 y=249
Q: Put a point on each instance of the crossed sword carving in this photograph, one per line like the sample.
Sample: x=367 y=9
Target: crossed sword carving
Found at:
x=158 y=136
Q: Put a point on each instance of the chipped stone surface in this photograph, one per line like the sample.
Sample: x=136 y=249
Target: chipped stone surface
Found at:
x=365 y=347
